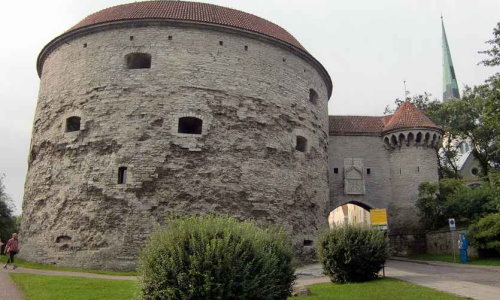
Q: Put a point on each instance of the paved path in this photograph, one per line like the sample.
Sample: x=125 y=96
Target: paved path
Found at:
x=476 y=282
x=8 y=289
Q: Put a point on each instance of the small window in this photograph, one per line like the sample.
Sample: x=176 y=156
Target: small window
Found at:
x=313 y=96
x=335 y=170
x=301 y=144
x=418 y=169
x=246 y=48
x=169 y=37
x=131 y=37
x=221 y=43
x=85 y=45
x=72 y=124
x=474 y=171
x=368 y=171
x=190 y=125
x=122 y=175
x=308 y=243
x=138 y=60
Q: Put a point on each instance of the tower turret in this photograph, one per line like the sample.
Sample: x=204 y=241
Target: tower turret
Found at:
x=411 y=139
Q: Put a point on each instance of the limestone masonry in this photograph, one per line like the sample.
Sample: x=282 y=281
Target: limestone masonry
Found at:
x=161 y=107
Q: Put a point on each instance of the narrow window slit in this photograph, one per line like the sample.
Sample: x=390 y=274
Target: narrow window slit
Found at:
x=122 y=175
x=301 y=144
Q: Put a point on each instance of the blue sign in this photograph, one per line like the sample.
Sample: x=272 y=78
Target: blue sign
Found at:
x=452 y=224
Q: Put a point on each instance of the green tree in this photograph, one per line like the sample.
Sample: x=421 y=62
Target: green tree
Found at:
x=485 y=234
x=7 y=223
x=475 y=118
x=494 y=52
x=433 y=201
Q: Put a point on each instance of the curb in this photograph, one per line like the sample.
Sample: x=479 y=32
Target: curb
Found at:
x=446 y=264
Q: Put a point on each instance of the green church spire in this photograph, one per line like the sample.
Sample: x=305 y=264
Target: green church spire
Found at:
x=450 y=86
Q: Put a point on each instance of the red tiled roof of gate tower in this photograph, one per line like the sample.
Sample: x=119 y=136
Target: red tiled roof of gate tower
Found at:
x=189 y=11
x=407 y=116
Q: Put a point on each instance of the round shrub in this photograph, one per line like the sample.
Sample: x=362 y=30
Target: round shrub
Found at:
x=352 y=254
x=215 y=257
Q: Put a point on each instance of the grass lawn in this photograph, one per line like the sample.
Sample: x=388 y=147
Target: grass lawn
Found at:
x=449 y=258
x=381 y=289
x=34 y=265
x=43 y=287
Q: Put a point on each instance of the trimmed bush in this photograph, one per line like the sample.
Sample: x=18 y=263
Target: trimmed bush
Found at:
x=352 y=254
x=216 y=257
x=485 y=234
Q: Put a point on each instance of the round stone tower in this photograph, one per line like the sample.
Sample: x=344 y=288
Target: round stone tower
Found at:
x=160 y=107
x=412 y=140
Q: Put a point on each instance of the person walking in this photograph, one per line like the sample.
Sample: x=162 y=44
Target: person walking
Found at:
x=11 y=249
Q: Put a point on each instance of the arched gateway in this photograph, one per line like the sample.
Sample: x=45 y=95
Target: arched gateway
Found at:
x=379 y=162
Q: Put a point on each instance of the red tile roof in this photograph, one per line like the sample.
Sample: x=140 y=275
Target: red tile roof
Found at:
x=189 y=11
x=363 y=125
x=407 y=116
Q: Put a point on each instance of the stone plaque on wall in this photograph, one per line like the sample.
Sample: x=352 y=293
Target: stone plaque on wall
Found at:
x=354 y=183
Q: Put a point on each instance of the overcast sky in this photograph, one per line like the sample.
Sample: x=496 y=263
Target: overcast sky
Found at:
x=368 y=47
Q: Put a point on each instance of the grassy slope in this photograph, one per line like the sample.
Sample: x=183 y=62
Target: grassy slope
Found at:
x=449 y=258
x=34 y=265
x=381 y=289
x=42 y=287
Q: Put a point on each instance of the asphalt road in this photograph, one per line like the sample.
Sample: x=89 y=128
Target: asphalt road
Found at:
x=476 y=282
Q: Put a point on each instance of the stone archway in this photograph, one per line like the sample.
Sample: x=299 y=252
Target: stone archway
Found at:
x=353 y=212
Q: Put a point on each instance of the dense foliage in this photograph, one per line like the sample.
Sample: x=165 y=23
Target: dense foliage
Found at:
x=485 y=233
x=216 y=258
x=352 y=254
x=7 y=220
x=452 y=199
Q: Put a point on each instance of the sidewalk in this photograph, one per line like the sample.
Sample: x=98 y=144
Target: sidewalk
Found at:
x=8 y=289
x=442 y=263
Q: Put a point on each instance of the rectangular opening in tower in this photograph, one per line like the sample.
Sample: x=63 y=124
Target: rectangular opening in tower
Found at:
x=122 y=175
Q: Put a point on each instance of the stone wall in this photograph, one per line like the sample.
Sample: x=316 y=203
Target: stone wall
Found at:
x=375 y=157
x=410 y=165
x=445 y=242
x=253 y=98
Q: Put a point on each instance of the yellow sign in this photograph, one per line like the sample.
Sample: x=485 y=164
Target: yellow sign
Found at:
x=378 y=216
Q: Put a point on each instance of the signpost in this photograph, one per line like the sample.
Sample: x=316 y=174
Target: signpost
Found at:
x=378 y=218
x=453 y=227
x=452 y=224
